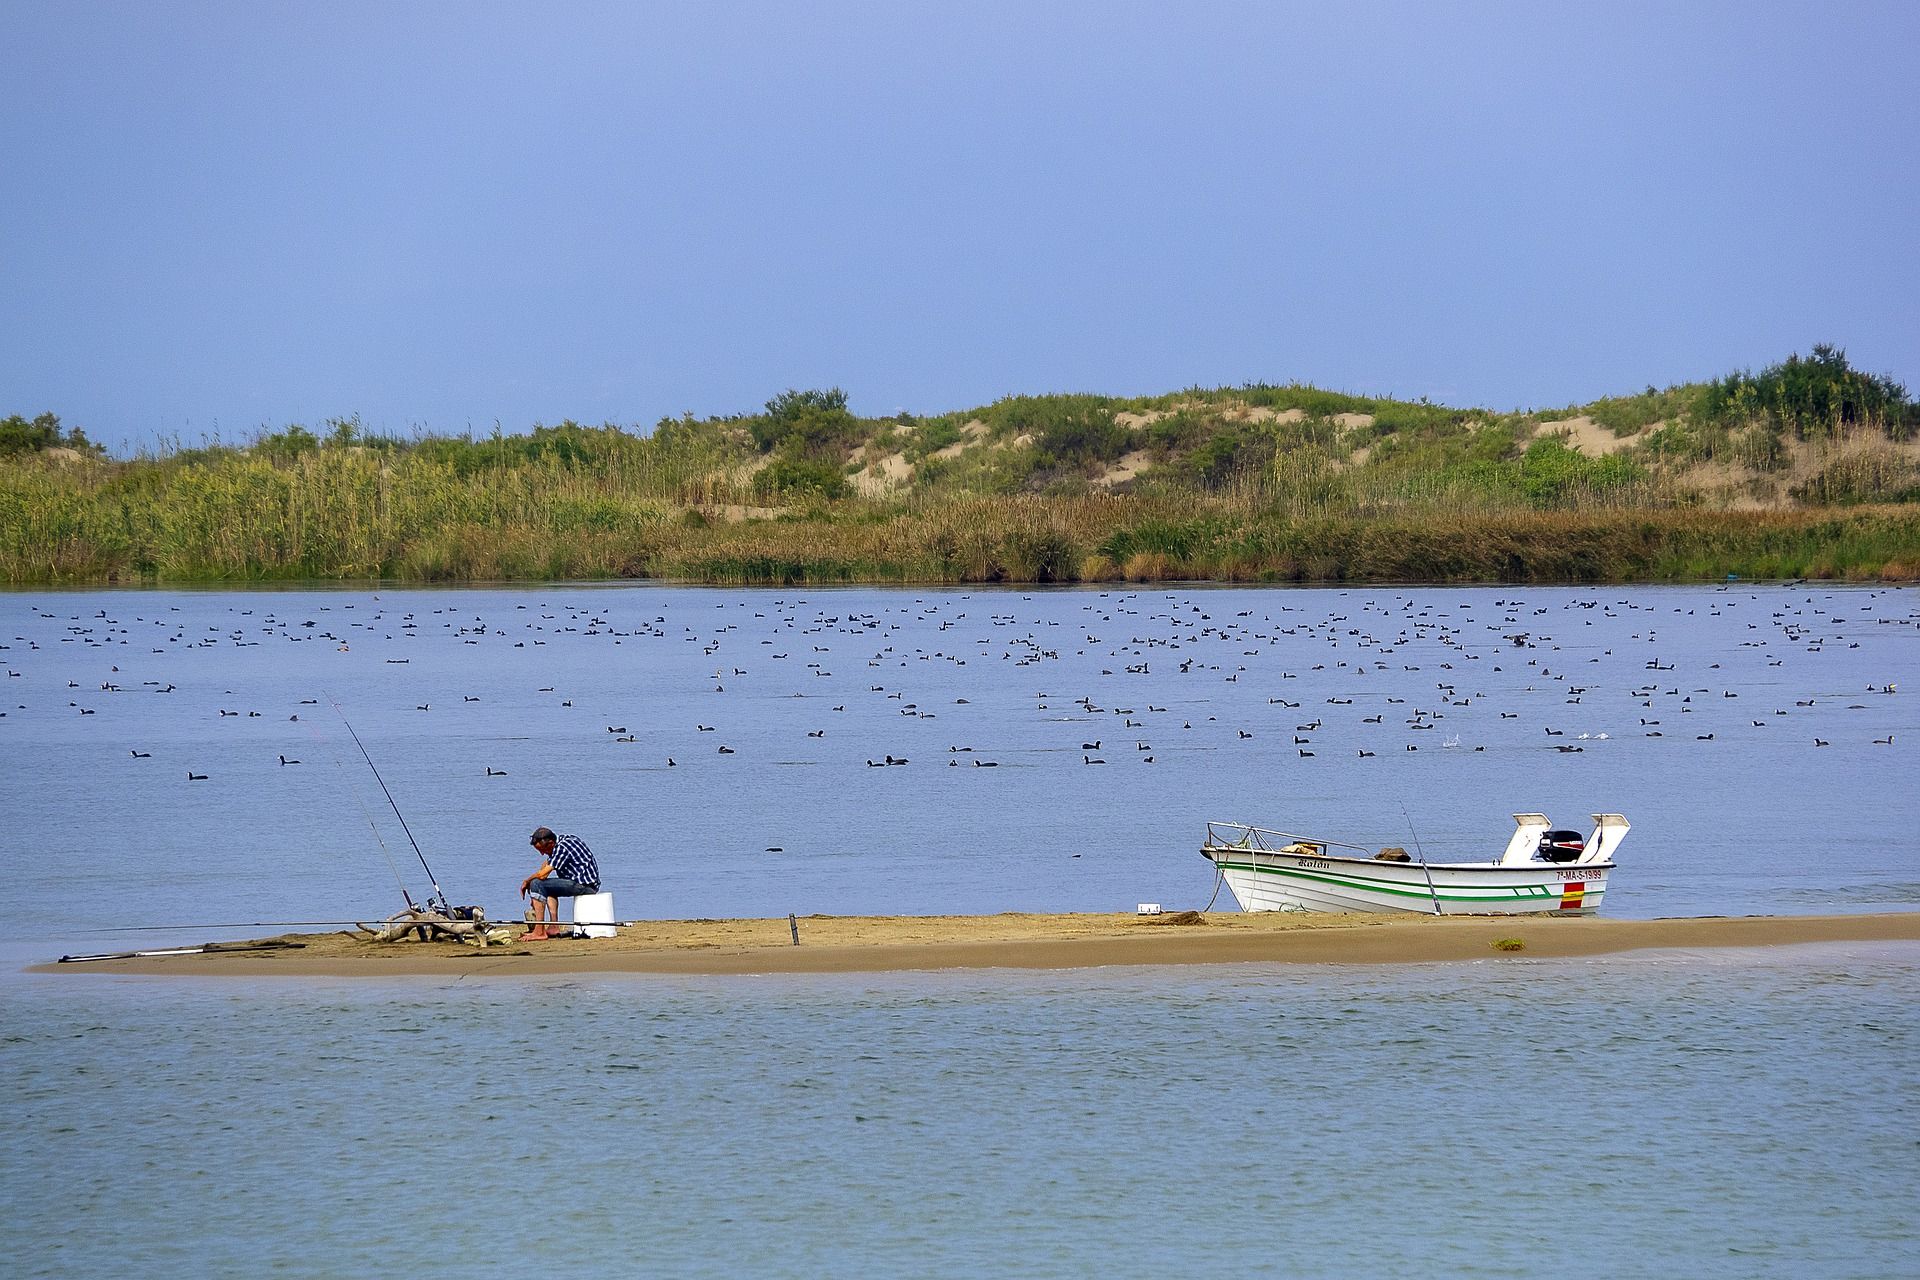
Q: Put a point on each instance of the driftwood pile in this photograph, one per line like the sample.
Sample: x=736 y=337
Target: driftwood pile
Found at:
x=425 y=924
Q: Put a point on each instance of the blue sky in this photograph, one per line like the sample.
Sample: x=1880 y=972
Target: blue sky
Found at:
x=223 y=217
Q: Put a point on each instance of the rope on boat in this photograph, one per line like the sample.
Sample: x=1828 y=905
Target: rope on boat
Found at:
x=1219 y=878
x=1431 y=891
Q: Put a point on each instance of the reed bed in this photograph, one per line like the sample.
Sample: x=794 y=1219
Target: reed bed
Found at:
x=369 y=514
x=1127 y=540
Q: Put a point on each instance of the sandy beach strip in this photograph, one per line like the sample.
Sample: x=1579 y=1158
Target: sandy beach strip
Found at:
x=881 y=944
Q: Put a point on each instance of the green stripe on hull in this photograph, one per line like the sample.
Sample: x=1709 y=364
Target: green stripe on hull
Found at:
x=1516 y=893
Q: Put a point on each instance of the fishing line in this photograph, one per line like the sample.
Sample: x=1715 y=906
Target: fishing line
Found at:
x=378 y=839
x=340 y=766
x=439 y=895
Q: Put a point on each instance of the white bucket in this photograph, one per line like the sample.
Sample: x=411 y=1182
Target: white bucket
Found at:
x=592 y=915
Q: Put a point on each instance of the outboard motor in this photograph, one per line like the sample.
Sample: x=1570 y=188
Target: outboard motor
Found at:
x=1562 y=846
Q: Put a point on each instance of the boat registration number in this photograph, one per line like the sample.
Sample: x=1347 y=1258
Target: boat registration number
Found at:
x=1582 y=873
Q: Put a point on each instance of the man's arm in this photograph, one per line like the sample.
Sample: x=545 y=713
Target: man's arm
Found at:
x=546 y=869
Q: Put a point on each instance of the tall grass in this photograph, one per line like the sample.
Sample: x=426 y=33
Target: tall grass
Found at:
x=358 y=514
x=324 y=514
x=1034 y=540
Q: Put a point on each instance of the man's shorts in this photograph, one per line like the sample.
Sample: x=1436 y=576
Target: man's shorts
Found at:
x=560 y=887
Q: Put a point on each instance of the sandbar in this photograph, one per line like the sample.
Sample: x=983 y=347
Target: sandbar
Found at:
x=881 y=944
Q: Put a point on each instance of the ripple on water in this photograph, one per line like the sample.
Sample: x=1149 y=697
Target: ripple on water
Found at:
x=818 y=1124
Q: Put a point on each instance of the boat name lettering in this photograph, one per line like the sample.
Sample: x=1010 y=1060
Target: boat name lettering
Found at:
x=1317 y=864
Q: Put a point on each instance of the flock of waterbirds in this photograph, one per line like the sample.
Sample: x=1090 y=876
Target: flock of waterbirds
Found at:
x=1529 y=650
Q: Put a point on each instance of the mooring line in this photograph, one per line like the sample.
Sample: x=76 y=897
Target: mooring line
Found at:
x=1431 y=891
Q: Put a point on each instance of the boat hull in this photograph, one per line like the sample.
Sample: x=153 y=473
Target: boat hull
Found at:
x=1261 y=880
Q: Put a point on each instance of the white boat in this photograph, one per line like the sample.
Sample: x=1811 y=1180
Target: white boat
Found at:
x=1542 y=872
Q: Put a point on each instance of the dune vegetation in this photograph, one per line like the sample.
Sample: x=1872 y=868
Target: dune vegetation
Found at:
x=1808 y=468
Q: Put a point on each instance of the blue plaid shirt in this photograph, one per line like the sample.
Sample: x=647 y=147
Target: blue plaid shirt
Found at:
x=572 y=860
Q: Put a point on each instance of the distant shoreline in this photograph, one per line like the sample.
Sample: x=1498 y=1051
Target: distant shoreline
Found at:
x=1034 y=541
x=891 y=944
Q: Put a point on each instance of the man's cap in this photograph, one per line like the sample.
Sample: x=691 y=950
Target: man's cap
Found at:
x=541 y=834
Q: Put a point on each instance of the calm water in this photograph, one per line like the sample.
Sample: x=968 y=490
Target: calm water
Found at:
x=1727 y=1114
x=1222 y=689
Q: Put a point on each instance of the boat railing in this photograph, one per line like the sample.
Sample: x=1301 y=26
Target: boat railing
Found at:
x=1239 y=835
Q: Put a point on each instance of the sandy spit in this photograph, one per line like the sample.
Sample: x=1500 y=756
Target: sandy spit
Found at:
x=877 y=944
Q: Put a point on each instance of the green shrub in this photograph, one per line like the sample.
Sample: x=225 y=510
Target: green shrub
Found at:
x=1311 y=401
x=1235 y=449
x=288 y=444
x=1625 y=415
x=933 y=436
x=1812 y=396
x=798 y=477
x=20 y=435
x=1178 y=432
x=812 y=423
x=1177 y=540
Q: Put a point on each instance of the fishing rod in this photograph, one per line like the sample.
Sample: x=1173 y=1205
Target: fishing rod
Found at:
x=363 y=920
x=212 y=948
x=246 y=946
x=265 y=924
x=439 y=898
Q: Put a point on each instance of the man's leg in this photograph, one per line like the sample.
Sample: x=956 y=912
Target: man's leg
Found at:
x=553 y=916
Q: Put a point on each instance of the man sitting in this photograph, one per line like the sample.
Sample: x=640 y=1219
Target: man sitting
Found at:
x=567 y=870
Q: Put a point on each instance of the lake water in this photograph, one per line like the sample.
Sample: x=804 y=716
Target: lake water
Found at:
x=1724 y=1114
x=1729 y=1113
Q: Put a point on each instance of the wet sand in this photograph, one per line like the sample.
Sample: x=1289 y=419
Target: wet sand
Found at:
x=881 y=944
